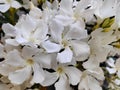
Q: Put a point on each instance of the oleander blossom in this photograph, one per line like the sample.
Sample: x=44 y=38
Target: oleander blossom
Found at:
x=63 y=44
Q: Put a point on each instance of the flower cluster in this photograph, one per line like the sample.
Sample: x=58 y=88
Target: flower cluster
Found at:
x=67 y=44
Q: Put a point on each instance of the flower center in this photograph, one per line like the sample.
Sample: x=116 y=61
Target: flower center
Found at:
x=31 y=39
x=60 y=70
x=76 y=16
x=30 y=62
x=65 y=43
x=8 y=1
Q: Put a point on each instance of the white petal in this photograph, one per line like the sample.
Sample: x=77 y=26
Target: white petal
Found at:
x=56 y=29
x=14 y=59
x=111 y=70
x=9 y=29
x=19 y=76
x=73 y=74
x=4 y=7
x=20 y=39
x=97 y=73
x=51 y=47
x=82 y=5
x=5 y=69
x=64 y=19
x=91 y=64
x=50 y=79
x=89 y=83
x=45 y=60
x=35 y=12
x=77 y=31
x=97 y=49
x=12 y=42
x=41 y=32
x=26 y=25
x=111 y=62
x=107 y=9
x=38 y=76
x=93 y=69
x=66 y=6
x=15 y=4
x=117 y=81
x=28 y=52
x=83 y=85
x=62 y=84
x=81 y=50
x=65 y=56
x=93 y=84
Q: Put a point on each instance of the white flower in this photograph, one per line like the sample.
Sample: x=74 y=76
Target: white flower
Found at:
x=65 y=75
x=69 y=13
x=92 y=67
x=88 y=83
x=99 y=44
x=70 y=39
x=28 y=31
x=25 y=63
x=91 y=76
x=7 y=4
x=5 y=69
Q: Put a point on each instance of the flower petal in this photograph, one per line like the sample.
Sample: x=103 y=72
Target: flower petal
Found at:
x=111 y=62
x=66 y=6
x=28 y=52
x=64 y=20
x=14 y=59
x=77 y=31
x=65 y=56
x=73 y=74
x=9 y=29
x=41 y=32
x=4 y=7
x=81 y=50
x=95 y=85
x=91 y=64
x=5 y=69
x=51 y=47
x=38 y=76
x=12 y=42
x=86 y=84
x=97 y=73
x=15 y=4
x=50 y=79
x=111 y=70
x=107 y=9
x=62 y=83
x=45 y=60
x=19 y=76
x=56 y=29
